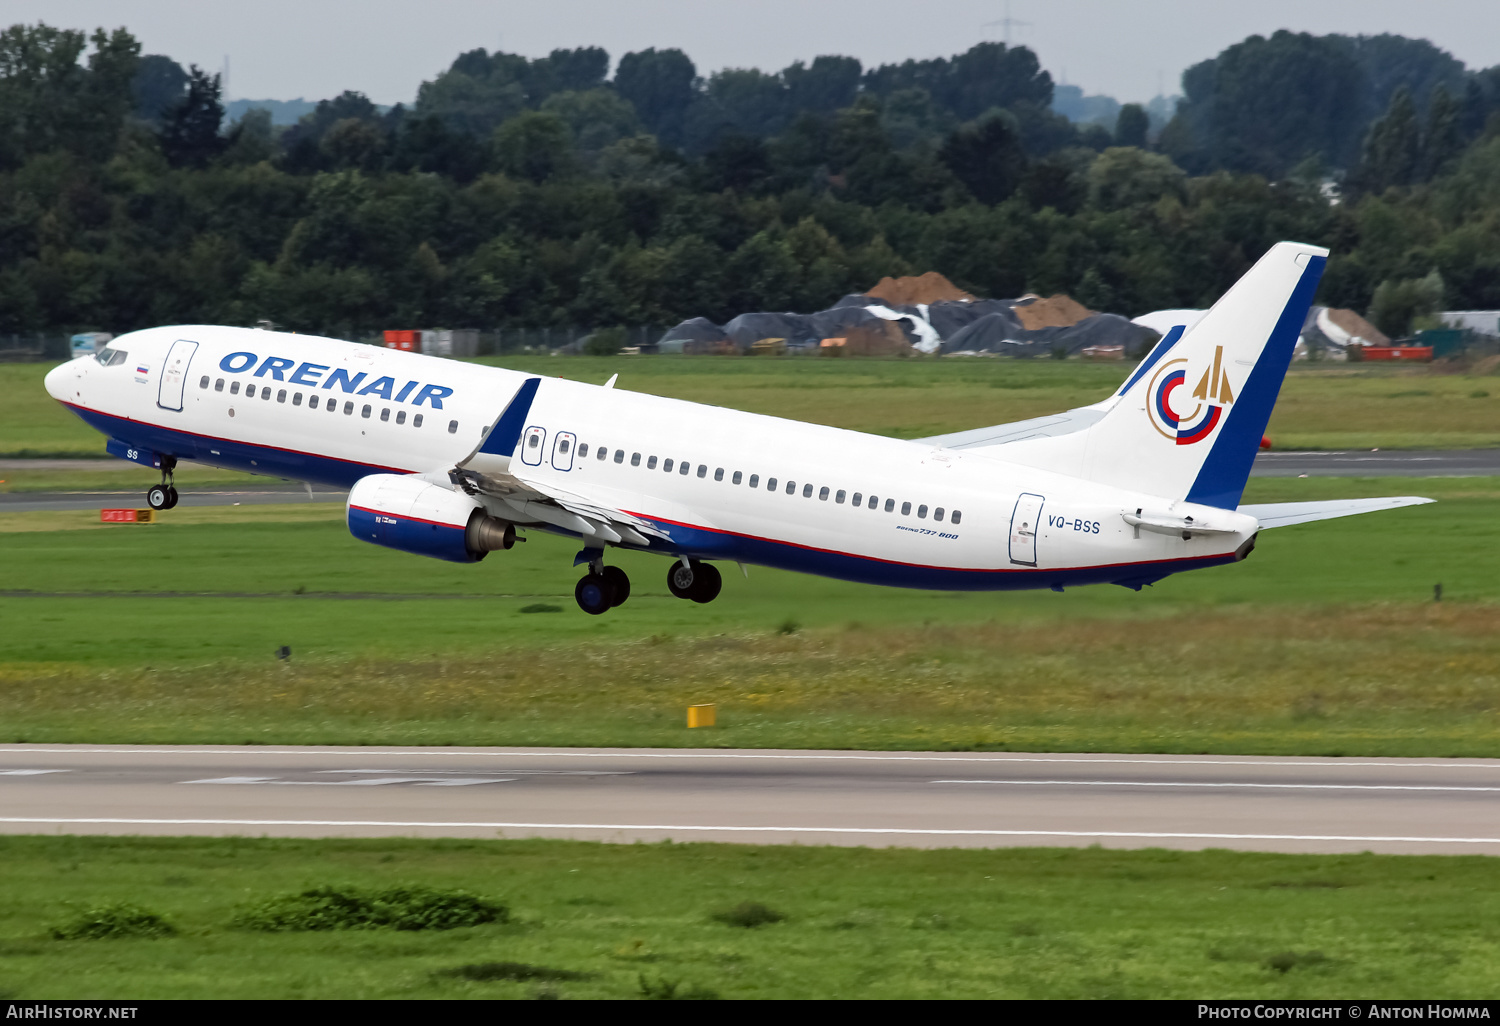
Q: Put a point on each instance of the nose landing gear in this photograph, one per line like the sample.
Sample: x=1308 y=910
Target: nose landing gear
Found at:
x=694 y=580
x=164 y=495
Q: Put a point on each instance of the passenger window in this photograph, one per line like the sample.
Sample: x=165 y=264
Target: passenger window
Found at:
x=890 y=504
x=957 y=516
x=416 y=420
x=619 y=455
x=666 y=465
x=348 y=409
x=281 y=396
x=332 y=405
x=312 y=402
x=823 y=494
x=702 y=470
x=921 y=512
x=754 y=480
x=297 y=399
x=807 y=491
x=684 y=467
x=265 y=393
x=651 y=463
x=858 y=500
x=562 y=446
x=534 y=441
x=249 y=391
x=770 y=484
x=400 y=416
x=452 y=426
x=791 y=487
x=234 y=388
x=385 y=413
x=365 y=413
x=937 y=514
x=839 y=498
x=583 y=449
x=603 y=453
x=719 y=474
x=736 y=478
x=635 y=459
x=204 y=382
x=219 y=385
x=906 y=509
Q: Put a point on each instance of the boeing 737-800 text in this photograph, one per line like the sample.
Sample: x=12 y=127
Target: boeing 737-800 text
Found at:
x=449 y=459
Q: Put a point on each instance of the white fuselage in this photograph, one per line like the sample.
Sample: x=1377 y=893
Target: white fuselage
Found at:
x=1001 y=525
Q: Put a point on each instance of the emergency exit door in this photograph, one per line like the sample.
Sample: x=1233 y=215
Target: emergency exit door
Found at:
x=1023 y=524
x=174 y=374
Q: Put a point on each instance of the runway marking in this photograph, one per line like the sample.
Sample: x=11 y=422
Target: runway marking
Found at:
x=1228 y=783
x=904 y=831
x=436 y=753
x=359 y=782
x=29 y=772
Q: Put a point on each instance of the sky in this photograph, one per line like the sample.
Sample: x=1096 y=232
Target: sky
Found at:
x=284 y=49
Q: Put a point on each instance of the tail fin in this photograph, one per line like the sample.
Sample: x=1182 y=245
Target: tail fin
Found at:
x=1190 y=425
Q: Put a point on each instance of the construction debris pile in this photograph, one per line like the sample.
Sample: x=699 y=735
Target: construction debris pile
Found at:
x=925 y=314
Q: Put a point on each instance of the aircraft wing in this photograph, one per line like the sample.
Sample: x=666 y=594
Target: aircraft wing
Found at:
x=1058 y=423
x=1283 y=514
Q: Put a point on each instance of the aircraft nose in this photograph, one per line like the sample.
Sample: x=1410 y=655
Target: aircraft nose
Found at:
x=58 y=379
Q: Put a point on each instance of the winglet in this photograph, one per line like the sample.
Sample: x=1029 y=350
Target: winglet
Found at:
x=506 y=434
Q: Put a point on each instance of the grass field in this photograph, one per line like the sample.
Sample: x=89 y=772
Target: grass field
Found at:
x=613 y=921
x=1325 y=641
x=1327 y=406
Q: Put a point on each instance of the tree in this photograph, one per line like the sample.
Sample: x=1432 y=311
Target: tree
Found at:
x=1124 y=177
x=987 y=157
x=535 y=146
x=1393 y=147
x=158 y=86
x=1442 y=141
x=830 y=84
x=1398 y=304
x=51 y=100
x=190 y=132
x=1131 y=126
x=1263 y=105
x=660 y=84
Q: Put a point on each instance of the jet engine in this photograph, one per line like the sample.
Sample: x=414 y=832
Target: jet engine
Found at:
x=414 y=515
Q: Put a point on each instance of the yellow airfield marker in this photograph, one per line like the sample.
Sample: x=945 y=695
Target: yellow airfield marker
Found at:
x=701 y=715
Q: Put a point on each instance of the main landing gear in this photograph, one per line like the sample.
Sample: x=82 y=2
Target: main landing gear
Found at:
x=694 y=580
x=164 y=495
x=601 y=589
x=605 y=587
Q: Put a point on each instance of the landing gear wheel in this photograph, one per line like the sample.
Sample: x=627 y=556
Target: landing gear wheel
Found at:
x=171 y=496
x=595 y=594
x=619 y=582
x=159 y=497
x=706 y=587
x=697 y=581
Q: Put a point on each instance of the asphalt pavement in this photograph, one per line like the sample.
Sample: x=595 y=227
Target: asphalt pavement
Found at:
x=909 y=799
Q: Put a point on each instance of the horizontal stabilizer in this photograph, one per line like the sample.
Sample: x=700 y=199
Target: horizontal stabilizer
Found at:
x=1282 y=514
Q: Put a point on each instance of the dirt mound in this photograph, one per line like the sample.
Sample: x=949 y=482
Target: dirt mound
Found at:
x=924 y=288
x=1058 y=312
x=1357 y=326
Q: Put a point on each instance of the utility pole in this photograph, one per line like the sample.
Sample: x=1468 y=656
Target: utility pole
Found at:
x=1007 y=23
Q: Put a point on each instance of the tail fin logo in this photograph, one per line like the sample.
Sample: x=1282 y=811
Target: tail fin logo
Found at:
x=1209 y=398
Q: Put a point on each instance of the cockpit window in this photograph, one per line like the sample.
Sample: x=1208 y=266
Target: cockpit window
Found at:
x=110 y=357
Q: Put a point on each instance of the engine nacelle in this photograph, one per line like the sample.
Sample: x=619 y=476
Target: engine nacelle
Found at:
x=416 y=516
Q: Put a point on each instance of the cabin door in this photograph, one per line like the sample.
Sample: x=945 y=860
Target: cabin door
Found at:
x=174 y=374
x=1023 y=524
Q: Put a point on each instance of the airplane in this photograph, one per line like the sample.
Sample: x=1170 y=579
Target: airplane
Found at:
x=451 y=460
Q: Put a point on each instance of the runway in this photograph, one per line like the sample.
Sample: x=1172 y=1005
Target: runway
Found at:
x=910 y=799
